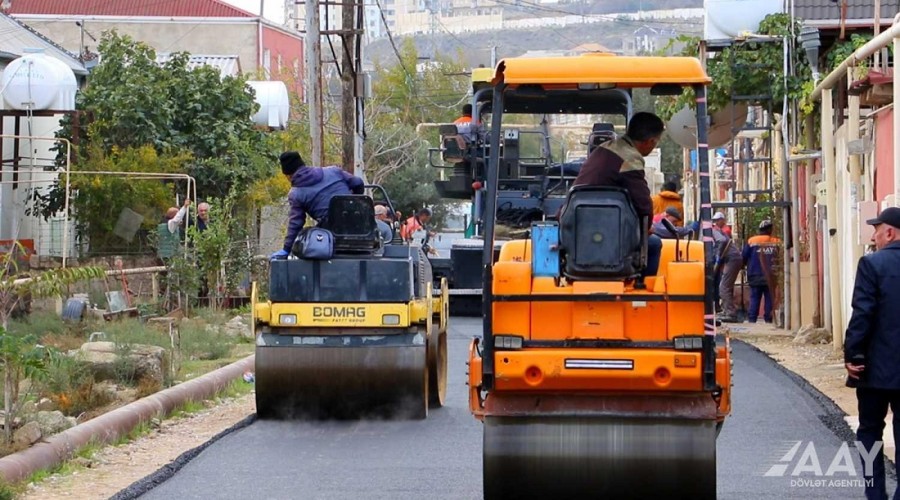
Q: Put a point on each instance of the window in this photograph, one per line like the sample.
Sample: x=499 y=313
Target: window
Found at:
x=267 y=63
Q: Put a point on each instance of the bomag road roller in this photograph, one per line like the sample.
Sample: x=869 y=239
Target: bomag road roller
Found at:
x=359 y=335
x=592 y=381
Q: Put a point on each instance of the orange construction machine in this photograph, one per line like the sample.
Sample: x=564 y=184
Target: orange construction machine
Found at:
x=592 y=381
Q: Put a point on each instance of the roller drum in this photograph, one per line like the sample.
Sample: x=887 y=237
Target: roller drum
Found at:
x=343 y=380
x=589 y=457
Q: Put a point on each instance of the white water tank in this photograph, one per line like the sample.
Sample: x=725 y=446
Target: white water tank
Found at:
x=38 y=81
x=729 y=19
x=274 y=103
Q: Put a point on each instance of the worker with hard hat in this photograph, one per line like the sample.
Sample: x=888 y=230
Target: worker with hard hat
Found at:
x=758 y=256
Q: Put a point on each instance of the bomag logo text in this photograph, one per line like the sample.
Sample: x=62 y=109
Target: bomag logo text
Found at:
x=339 y=312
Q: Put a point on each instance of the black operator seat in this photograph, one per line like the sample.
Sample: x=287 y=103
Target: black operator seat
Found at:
x=600 y=133
x=600 y=235
x=453 y=144
x=351 y=219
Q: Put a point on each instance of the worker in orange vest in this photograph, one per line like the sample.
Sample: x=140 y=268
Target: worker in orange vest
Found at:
x=666 y=198
x=758 y=256
x=415 y=223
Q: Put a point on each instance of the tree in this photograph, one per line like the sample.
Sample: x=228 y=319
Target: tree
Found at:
x=749 y=68
x=194 y=120
x=404 y=96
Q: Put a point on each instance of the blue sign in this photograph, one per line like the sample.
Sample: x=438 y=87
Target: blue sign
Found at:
x=719 y=152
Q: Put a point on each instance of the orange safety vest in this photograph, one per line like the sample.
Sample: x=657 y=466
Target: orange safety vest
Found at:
x=409 y=227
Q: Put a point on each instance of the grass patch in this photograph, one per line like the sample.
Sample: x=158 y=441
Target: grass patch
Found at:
x=39 y=324
x=188 y=407
x=142 y=429
x=212 y=317
x=70 y=385
x=133 y=331
x=237 y=388
x=9 y=492
x=203 y=340
x=89 y=450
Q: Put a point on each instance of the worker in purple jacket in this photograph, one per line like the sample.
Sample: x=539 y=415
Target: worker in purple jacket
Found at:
x=311 y=191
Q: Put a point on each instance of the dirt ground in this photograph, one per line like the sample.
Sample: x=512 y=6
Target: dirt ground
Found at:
x=114 y=468
x=819 y=364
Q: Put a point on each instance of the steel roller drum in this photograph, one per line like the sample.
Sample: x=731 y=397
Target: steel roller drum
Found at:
x=345 y=379
x=599 y=457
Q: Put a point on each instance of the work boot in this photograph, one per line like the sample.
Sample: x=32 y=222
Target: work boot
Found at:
x=729 y=319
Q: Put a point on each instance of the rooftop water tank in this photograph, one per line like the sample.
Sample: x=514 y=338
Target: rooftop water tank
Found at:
x=274 y=104
x=38 y=81
x=729 y=19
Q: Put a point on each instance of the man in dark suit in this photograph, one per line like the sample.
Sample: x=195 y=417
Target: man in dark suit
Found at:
x=872 y=345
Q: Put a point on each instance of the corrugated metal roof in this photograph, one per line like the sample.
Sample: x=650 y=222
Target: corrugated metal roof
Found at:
x=817 y=10
x=15 y=37
x=227 y=65
x=166 y=8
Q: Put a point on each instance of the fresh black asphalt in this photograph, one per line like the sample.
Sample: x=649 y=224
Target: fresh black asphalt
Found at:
x=440 y=458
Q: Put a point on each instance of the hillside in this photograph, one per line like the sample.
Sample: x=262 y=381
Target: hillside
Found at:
x=475 y=47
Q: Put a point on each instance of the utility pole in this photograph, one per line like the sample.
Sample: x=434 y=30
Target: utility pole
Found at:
x=314 y=80
x=349 y=75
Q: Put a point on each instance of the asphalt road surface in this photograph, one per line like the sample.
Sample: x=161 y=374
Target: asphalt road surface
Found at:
x=440 y=458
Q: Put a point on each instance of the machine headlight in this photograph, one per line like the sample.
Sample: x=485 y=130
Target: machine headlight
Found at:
x=688 y=343
x=390 y=319
x=287 y=319
x=507 y=342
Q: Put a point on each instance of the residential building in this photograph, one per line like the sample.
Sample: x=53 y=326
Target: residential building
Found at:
x=836 y=224
x=213 y=27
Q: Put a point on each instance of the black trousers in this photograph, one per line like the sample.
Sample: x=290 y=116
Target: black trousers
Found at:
x=873 y=407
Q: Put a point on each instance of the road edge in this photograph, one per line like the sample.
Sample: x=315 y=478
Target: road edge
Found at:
x=110 y=426
x=835 y=414
x=164 y=473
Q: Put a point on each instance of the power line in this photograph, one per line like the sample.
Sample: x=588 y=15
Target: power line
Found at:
x=390 y=35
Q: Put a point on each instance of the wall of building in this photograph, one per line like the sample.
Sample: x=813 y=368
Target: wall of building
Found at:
x=198 y=36
x=884 y=154
x=285 y=58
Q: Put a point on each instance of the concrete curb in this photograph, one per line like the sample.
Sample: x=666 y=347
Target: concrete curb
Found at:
x=110 y=426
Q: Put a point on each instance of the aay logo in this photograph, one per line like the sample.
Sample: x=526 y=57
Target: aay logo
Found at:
x=809 y=463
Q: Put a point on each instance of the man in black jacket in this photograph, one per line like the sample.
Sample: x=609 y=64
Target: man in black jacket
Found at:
x=872 y=345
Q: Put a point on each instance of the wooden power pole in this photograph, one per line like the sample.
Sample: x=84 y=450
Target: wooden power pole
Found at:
x=348 y=87
x=314 y=80
x=351 y=101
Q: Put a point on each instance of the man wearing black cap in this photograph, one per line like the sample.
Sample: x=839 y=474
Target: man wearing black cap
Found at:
x=311 y=192
x=673 y=215
x=872 y=345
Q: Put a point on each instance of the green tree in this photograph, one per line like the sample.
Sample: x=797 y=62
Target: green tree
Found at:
x=747 y=68
x=195 y=120
x=396 y=153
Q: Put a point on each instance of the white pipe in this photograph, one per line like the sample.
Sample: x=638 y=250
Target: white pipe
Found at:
x=830 y=237
x=111 y=272
x=872 y=46
x=791 y=303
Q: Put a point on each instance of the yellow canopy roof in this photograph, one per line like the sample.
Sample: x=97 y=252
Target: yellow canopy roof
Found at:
x=482 y=74
x=601 y=68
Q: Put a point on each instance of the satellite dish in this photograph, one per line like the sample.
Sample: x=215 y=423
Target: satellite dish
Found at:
x=682 y=128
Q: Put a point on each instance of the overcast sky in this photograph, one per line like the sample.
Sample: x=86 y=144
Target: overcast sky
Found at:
x=274 y=9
